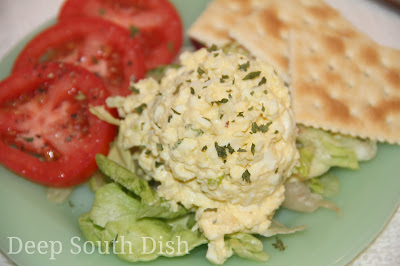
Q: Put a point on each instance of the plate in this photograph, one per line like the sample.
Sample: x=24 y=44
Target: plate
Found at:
x=367 y=199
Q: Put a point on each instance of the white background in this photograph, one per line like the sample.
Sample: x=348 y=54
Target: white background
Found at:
x=19 y=17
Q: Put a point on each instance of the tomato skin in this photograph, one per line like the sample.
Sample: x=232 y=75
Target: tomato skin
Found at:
x=159 y=24
x=76 y=159
x=97 y=33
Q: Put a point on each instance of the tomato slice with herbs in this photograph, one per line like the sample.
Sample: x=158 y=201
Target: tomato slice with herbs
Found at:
x=47 y=133
x=155 y=22
x=100 y=46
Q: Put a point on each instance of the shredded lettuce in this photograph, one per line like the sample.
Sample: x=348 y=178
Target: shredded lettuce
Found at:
x=320 y=150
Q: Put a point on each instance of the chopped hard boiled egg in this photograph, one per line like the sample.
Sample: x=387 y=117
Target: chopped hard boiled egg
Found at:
x=219 y=135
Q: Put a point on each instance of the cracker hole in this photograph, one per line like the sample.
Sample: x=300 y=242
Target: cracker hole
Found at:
x=388 y=120
x=330 y=67
x=371 y=102
x=353 y=112
x=386 y=91
x=317 y=105
x=366 y=74
x=350 y=85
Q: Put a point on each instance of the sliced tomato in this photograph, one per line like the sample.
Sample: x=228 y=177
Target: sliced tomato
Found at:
x=47 y=133
x=155 y=22
x=100 y=46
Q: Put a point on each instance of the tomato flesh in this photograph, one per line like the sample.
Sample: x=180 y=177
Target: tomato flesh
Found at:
x=97 y=45
x=47 y=133
x=155 y=23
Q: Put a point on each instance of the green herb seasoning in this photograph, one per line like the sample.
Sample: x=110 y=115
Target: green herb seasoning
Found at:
x=263 y=108
x=230 y=149
x=251 y=108
x=192 y=91
x=204 y=148
x=221 y=151
x=176 y=112
x=262 y=81
x=223 y=100
x=134 y=89
x=140 y=108
x=213 y=48
x=240 y=114
x=169 y=118
x=244 y=66
x=158 y=164
x=253 y=148
x=177 y=88
x=279 y=244
x=206 y=119
x=94 y=60
x=200 y=71
x=241 y=150
x=263 y=128
x=252 y=75
x=160 y=147
x=134 y=31
x=246 y=176
x=265 y=92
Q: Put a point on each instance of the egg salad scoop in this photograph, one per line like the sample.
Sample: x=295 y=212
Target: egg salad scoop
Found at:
x=218 y=134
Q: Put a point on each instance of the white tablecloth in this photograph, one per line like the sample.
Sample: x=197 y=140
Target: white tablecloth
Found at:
x=19 y=17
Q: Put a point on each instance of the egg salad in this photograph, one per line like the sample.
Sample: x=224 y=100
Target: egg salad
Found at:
x=218 y=134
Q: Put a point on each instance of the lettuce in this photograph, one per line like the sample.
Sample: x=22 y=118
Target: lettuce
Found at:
x=320 y=150
x=151 y=204
x=114 y=224
x=246 y=246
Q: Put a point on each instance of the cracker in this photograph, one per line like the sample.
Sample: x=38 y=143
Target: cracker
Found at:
x=213 y=24
x=347 y=85
x=265 y=33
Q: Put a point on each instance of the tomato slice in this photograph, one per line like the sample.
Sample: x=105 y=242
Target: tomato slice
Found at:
x=47 y=133
x=155 y=22
x=100 y=46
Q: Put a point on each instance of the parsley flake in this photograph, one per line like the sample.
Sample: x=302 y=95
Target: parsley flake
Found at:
x=244 y=66
x=204 y=148
x=246 y=176
x=134 y=89
x=160 y=147
x=200 y=71
x=252 y=75
x=176 y=112
x=253 y=148
x=192 y=91
x=279 y=244
x=140 y=108
x=212 y=48
x=262 y=81
x=221 y=150
x=133 y=30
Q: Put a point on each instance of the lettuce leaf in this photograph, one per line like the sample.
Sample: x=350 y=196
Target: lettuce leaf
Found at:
x=115 y=225
x=247 y=246
x=320 y=150
x=151 y=204
x=327 y=185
